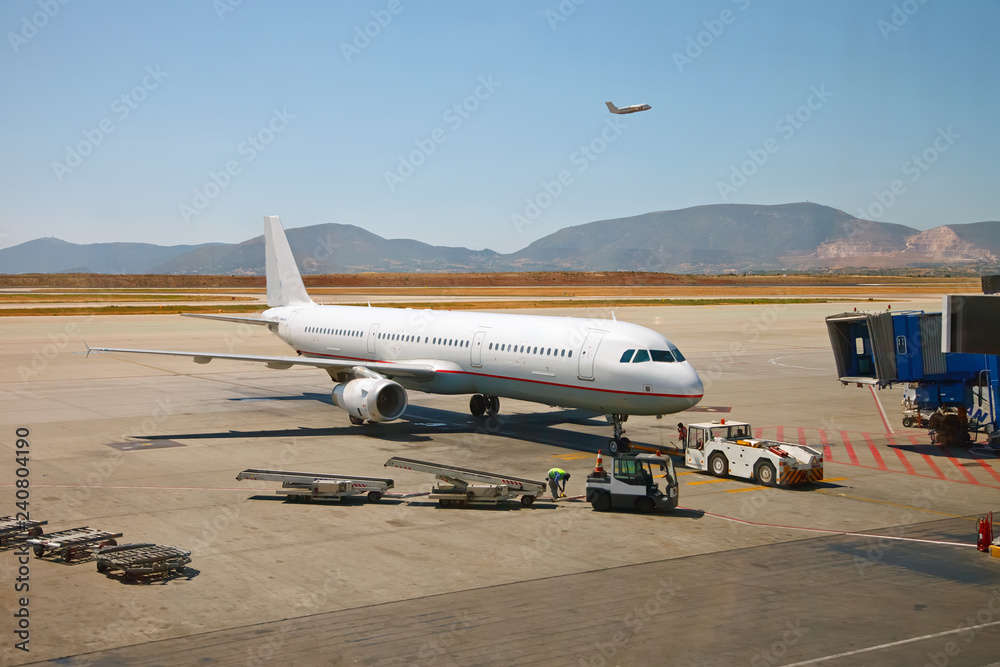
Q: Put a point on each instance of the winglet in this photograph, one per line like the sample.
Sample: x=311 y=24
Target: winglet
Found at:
x=87 y=345
x=611 y=107
x=284 y=282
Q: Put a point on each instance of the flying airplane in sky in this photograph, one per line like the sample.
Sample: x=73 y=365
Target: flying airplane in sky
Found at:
x=632 y=109
x=375 y=355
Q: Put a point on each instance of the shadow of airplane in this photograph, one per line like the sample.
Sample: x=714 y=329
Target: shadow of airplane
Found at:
x=420 y=424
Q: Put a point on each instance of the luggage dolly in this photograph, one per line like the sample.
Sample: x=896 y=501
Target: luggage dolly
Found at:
x=306 y=486
x=72 y=542
x=141 y=560
x=496 y=487
x=12 y=529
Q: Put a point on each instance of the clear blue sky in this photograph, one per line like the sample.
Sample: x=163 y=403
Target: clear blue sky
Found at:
x=332 y=114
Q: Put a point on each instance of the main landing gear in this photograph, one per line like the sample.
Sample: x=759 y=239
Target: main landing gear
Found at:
x=480 y=404
x=619 y=444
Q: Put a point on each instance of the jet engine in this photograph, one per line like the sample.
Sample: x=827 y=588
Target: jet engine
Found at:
x=373 y=399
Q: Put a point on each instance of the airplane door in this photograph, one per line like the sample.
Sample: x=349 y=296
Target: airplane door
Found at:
x=477 y=349
x=372 y=335
x=588 y=353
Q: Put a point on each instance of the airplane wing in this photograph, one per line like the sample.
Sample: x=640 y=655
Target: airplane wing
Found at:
x=421 y=372
x=231 y=318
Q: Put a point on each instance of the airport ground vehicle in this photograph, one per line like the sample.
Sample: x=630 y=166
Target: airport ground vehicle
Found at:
x=460 y=488
x=630 y=483
x=728 y=448
x=306 y=486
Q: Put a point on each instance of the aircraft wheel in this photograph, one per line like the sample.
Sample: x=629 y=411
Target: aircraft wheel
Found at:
x=614 y=446
x=765 y=473
x=601 y=501
x=718 y=465
x=493 y=405
x=645 y=505
x=477 y=405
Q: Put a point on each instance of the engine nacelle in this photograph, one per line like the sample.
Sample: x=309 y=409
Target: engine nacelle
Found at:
x=373 y=399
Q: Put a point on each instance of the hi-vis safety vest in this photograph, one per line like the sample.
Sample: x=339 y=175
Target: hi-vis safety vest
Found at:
x=556 y=471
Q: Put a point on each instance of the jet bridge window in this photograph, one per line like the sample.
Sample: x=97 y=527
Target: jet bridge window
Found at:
x=640 y=356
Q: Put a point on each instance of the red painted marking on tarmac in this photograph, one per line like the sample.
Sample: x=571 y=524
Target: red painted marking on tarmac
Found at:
x=827 y=452
x=780 y=435
x=958 y=464
x=758 y=433
x=802 y=436
x=850 y=449
x=989 y=469
x=878 y=457
x=902 y=457
x=927 y=458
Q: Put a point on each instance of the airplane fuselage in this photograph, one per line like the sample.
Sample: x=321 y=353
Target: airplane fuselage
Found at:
x=559 y=361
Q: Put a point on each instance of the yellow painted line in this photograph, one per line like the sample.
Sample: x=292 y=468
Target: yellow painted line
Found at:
x=885 y=502
x=749 y=488
x=574 y=457
x=689 y=472
x=707 y=481
x=831 y=479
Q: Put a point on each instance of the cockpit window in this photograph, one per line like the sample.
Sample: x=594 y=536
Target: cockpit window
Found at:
x=662 y=355
x=640 y=356
x=677 y=354
x=627 y=357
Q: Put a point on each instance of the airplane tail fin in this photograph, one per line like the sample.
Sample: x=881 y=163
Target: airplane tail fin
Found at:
x=284 y=282
x=611 y=107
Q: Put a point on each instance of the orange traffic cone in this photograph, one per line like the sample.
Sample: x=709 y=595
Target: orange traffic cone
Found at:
x=599 y=466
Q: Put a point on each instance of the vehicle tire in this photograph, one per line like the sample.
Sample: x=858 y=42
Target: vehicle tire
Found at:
x=601 y=501
x=765 y=473
x=477 y=405
x=908 y=422
x=492 y=405
x=35 y=531
x=102 y=567
x=356 y=421
x=39 y=551
x=718 y=464
x=374 y=496
x=527 y=500
x=645 y=505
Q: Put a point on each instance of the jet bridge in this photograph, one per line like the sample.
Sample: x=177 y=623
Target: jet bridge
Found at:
x=881 y=349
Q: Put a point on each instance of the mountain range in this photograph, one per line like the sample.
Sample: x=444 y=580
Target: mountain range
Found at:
x=703 y=239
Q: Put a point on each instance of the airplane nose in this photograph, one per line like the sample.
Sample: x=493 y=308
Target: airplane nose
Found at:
x=693 y=385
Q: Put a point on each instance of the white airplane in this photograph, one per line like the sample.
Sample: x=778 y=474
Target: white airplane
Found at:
x=374 y=355
x=632 y=109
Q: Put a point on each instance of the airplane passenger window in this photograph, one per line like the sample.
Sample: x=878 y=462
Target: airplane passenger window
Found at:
x=563 y=353
x=627 y=356
x=662 y=355
x=640 y=356
x=571 y=353
x=535 y=351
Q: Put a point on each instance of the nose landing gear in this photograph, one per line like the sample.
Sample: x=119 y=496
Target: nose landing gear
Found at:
x=619 y=444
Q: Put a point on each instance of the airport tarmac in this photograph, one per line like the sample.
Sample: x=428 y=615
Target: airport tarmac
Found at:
x=150 y=447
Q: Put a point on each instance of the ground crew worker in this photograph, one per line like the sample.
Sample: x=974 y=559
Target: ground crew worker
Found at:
x=557 y=475
x=682 y=432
